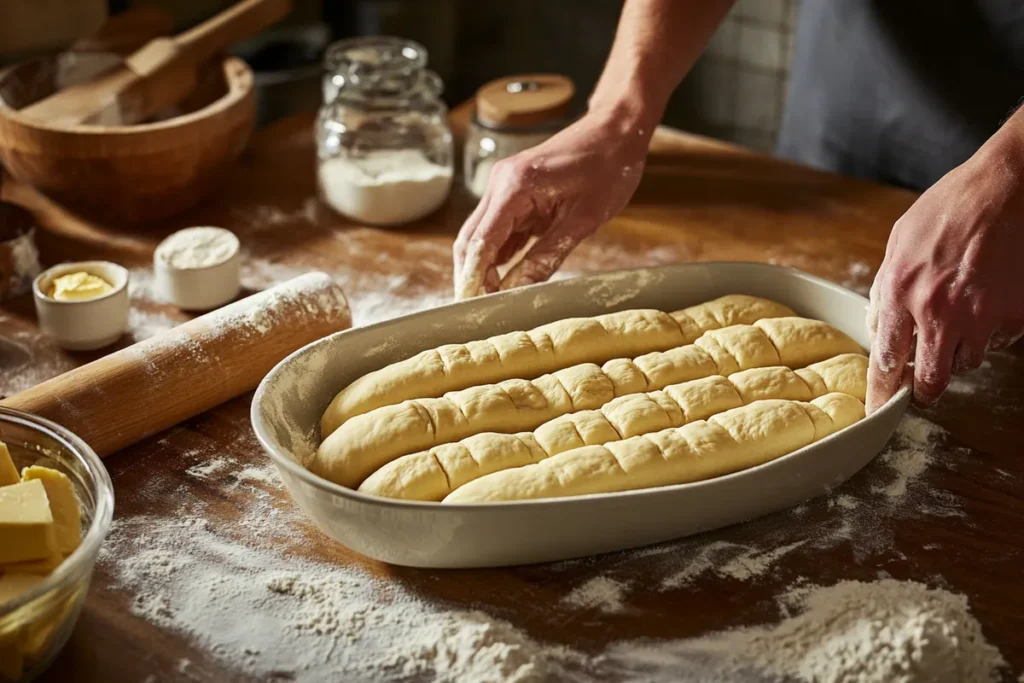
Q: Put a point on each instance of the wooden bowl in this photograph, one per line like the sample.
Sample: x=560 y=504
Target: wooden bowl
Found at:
x=127 y=173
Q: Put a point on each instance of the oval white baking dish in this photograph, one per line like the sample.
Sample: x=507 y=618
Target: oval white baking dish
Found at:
x=288 y=404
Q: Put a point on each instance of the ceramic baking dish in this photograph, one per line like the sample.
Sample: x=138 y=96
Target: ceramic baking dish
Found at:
x=289 y=402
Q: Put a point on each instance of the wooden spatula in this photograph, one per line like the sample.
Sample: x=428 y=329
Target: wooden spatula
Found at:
x=158 y=75
x=127 y=31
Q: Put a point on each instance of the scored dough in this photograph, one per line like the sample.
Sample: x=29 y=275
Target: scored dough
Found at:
x=544 y=349
x=433 y=474
x=367 y=442
x=734 y=440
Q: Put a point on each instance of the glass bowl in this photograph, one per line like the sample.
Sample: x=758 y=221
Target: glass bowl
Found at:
x=35 y=625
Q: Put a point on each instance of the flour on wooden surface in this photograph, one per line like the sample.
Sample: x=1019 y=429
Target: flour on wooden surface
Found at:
x=267 y=615
x=602 y=593
x=26 y=360
x=852 y=632
x=207 y=469
x=729 y=560
x=259 y=475
x=143 y=323
x=265 y=611
x=272 y=217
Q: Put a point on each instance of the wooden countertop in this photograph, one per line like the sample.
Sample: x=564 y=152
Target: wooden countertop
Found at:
x=699 y=200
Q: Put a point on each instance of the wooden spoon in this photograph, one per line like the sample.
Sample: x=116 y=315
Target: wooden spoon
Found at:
x=159 y=74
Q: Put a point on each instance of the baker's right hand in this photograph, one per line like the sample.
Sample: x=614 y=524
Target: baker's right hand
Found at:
x=560 y=191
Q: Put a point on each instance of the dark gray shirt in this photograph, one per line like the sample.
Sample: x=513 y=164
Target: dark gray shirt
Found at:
x=901 y=91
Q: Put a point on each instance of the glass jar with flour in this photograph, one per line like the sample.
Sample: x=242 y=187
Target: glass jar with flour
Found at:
x=384 y=147
x=513 y=114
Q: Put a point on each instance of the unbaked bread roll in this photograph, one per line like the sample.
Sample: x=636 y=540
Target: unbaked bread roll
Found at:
x=433 y=474
x=547 y=348
x=367 y=442
x=728 y=442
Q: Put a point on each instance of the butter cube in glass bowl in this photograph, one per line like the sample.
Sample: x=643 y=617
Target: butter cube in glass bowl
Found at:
x=38 y=610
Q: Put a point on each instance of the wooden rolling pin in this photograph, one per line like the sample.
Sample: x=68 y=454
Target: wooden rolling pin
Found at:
x=145 y=388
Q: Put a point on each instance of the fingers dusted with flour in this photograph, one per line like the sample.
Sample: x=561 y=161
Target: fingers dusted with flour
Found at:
x=950 y=285
x=559 y=192
x=891 y=350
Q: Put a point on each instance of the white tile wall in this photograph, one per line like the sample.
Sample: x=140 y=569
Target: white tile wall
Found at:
x=764 y=11
x=738 y=86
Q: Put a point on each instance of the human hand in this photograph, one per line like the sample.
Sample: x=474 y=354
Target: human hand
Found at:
x=950 y=286
x=560 y=192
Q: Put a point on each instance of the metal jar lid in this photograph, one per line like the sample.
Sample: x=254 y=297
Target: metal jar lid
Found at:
x=524 y=101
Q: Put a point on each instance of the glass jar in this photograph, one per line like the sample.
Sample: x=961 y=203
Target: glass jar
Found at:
x=512 y=115
x=384 y=146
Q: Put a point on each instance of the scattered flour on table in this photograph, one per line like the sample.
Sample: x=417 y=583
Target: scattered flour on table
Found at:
x=259 y=475
x=27 y=359
x=143 y=324
x=602 y=593
x=270 y=615
x=272 y=217
x=886 y=631
x=984 y=379
x=142 y=285
x=913 y=457
x=268 y=612
x=730 y=560
x=208 y=469
x=746 y=566
x=267 y=615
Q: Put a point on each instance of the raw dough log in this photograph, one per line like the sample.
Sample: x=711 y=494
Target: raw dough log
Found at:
x=728 y=442
x=547 y=348
x=367 y=442
x=432 y=475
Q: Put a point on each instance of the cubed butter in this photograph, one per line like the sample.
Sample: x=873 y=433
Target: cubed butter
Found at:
x=26 y=524
x=13 y=585
x=12 y=661
x=8 y=472
x=37 y=635
x=13 y=634
x=67 y=516
x=41 y=567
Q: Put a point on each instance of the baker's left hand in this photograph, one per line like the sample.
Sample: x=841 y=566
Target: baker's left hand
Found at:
x=951 y=285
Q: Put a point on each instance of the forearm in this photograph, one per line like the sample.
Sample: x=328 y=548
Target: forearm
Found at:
x=999 y=166
x=1005 y=149
x=656 y=45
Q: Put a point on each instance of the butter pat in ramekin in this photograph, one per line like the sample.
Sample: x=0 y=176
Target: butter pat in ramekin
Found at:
x=84 y=324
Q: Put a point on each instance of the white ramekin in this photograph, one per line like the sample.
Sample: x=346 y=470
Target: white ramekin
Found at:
x=90 y=323
x=199 y=289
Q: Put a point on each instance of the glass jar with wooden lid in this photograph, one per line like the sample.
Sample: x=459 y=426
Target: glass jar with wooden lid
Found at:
x=513 y=114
